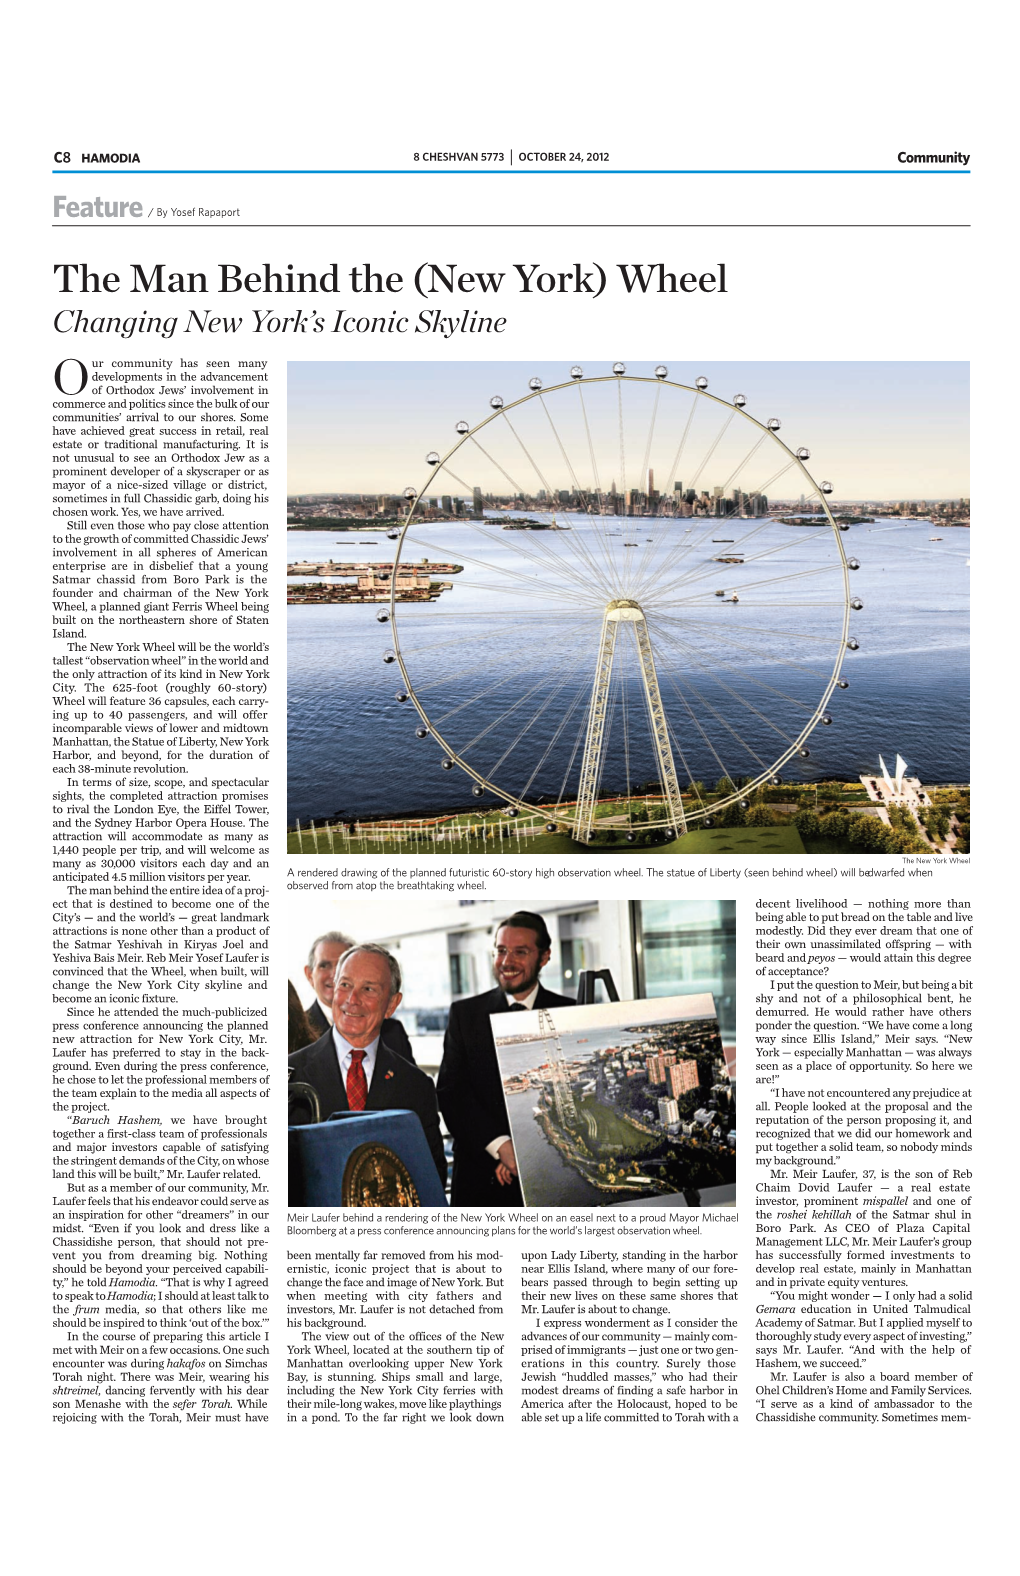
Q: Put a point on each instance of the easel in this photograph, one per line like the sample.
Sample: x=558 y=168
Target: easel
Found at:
x=586 y=980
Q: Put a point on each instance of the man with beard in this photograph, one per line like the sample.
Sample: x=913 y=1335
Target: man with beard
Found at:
x=469 y=1086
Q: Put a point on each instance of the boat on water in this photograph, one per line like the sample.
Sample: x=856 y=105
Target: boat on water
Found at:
x=722 y=538
x=934 y=538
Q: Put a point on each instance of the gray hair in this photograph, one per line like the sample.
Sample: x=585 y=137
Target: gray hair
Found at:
x=379 y=952
x=336 y=936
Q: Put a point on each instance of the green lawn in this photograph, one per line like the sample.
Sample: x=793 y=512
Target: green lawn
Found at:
x=612 y=1129
x=722 y=840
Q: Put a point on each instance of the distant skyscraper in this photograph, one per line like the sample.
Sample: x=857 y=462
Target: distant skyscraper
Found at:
x=683 y=1076
x=668 y=1112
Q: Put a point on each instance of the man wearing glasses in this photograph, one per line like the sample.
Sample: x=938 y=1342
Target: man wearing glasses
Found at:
x=469 y=1087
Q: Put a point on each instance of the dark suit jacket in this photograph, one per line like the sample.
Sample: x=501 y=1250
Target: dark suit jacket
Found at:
x=396 y=1085
x=471 y=1096
x=393 y=1033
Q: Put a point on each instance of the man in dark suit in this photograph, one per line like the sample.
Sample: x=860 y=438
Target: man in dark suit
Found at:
x=469 y=1087
x=326 y=952
x=351 y=1068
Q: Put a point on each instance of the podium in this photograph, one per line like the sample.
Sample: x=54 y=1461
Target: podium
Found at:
x=362 y=1159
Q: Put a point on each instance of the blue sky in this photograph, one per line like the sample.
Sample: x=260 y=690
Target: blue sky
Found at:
x=875 y=429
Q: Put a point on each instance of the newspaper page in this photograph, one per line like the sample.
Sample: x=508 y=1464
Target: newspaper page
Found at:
x=509 y=584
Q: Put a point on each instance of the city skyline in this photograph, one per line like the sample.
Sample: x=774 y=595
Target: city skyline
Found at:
x=878 y=430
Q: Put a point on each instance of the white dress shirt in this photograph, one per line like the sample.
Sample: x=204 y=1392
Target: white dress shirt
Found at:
x=345 y=1059
x=527 y=1002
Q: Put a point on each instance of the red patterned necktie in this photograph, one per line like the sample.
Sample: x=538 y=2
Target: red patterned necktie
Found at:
x=357 y=1084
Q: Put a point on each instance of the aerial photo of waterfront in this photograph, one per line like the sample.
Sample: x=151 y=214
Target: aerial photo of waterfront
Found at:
x=606 y=608
x=621 y=1101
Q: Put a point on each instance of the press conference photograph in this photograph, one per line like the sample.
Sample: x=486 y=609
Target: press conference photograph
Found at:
x=409 y=1086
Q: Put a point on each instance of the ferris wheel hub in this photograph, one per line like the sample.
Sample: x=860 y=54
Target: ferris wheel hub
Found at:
x=623 y=609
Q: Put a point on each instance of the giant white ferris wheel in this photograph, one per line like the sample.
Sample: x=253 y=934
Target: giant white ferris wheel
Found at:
x=628 y=620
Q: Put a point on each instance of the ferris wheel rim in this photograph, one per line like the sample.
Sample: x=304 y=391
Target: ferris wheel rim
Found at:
x=768 y=776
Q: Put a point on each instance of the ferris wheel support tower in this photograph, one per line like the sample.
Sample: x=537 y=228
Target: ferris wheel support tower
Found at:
x=624 y=610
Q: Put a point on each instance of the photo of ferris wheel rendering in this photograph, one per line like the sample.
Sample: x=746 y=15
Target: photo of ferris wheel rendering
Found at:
x=610 y=608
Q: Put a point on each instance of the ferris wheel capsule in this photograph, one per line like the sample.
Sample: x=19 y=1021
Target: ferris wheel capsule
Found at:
x=446 y=764
x=577 y=372
x=534 y=384
x=462 y=427
x=391 y=536
x=842 y=683
x=478 y=790
x=774 y=424
x=421 y=733
x=432 y=458
x=619 y=368
x=826 y=487
x=496 y=402
x=803 y=454
x=856 y=603
x=853 y=563
x=804 y=751
x=701 y=383
x=661 y=371
x=853 y=645
x=826 y=720
x=551 y=826
x=382 y=618
x=409 y=493
x=401 y=696
x=740 y=400
x=389 y=656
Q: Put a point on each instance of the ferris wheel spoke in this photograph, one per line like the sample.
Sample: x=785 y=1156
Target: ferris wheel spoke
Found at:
x=651 y=433
x=791 y=634
x=595 y=519
x=509 y=749
x=483 y=563
x=579 y=545
x=744 y=676
x=539 y=553
x=711 y=450
x=560 y=729
x=752 y=650
x=518 y=490
x=610 y=561
x=671 y=478
x=739 y=675
x=500 y=684
x=723 y=722
x=455 y=639
x=754 y=585
x=715 y=521
x=695 y=720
